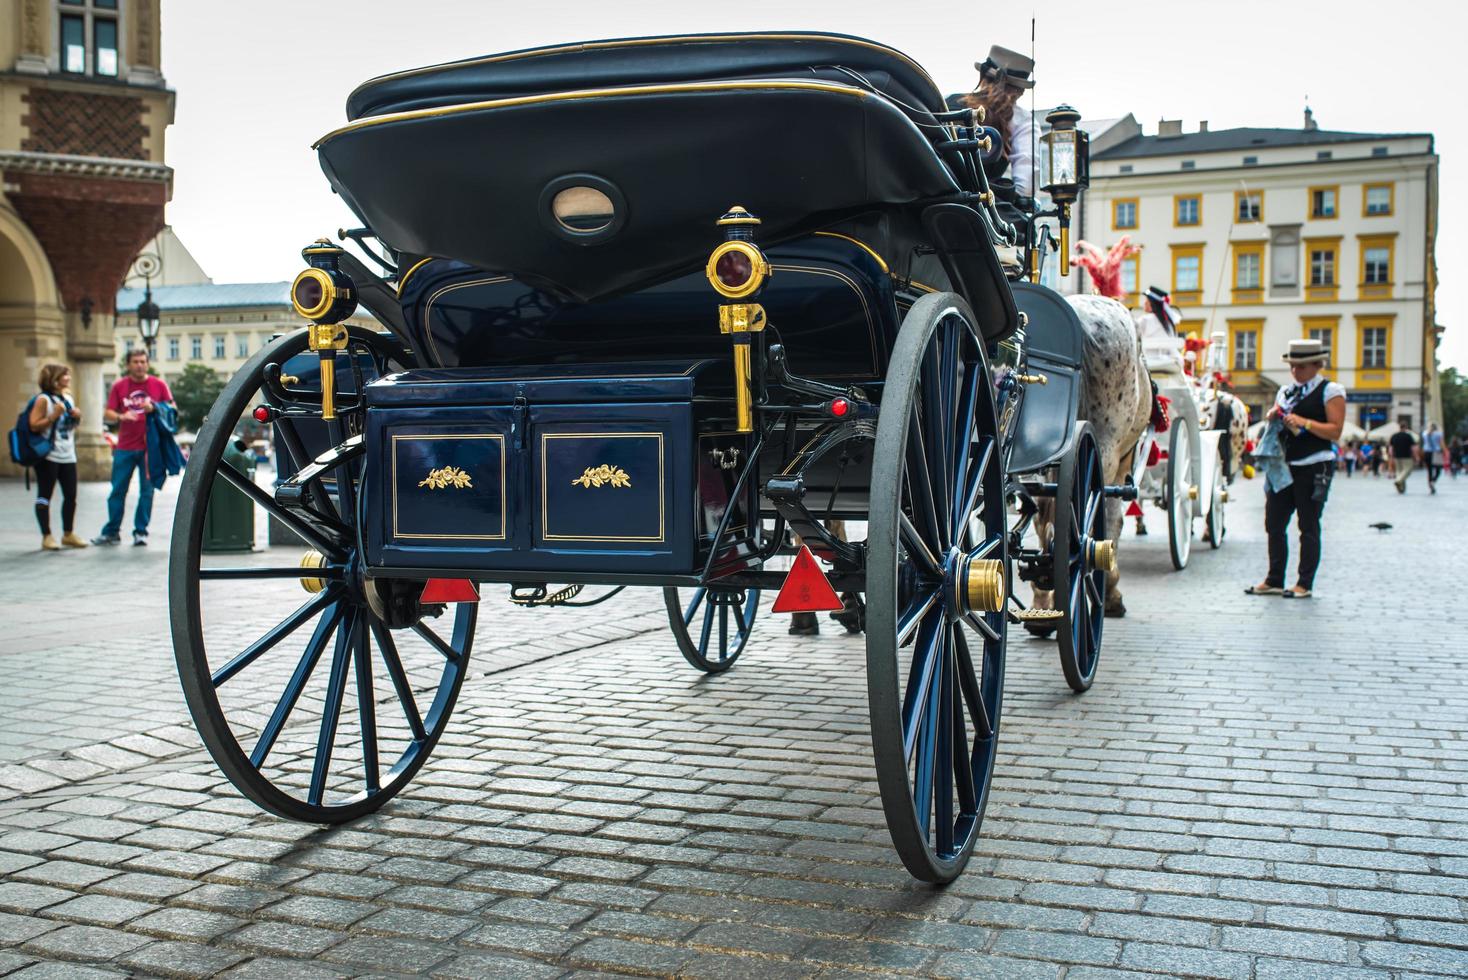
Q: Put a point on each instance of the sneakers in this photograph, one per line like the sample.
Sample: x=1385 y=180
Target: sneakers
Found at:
x=48 y=543
x=140 y=539
x=106 y=539
x=70 y=540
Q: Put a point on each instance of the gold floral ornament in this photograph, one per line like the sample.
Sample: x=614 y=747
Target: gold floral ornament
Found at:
x=596 y=476
x=448 y=476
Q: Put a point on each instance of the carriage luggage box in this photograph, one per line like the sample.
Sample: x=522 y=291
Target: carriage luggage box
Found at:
x=558 y=468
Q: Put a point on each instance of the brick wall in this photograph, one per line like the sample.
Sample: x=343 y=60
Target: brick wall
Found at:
x=91 y=229
x=84 y=124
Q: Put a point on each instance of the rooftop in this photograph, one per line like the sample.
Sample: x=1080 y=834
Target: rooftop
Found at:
x=201 y=296
x=1217 y=140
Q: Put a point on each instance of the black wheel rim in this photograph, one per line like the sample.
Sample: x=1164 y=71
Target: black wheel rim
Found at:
x=283 y=713
x=711 y=625
x=1080 y=522
x=935 y=672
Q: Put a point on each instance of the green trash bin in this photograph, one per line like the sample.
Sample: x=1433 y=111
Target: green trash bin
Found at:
x=229 y=524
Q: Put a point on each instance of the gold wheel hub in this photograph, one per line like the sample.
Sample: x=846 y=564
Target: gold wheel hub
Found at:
x=1102 y=554
x=313 y=559
x=983 y=585
x=1192 y=493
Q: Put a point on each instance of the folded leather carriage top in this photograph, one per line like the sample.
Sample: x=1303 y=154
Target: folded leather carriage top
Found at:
x=471 y=161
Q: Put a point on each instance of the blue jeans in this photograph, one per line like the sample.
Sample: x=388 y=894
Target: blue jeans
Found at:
x=124 y=462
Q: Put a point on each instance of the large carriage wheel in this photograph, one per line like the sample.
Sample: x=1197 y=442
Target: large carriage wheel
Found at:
x=1180 y=493
x=326 y=715
x=1080 y=555
x=712 y=628
x=1217 y=500
x=937 y=577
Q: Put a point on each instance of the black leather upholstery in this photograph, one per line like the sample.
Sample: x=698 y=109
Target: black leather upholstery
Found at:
x=652 y=60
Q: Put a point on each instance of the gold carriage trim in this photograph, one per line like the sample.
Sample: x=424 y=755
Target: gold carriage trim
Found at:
x=596 y=476
x=447 y=476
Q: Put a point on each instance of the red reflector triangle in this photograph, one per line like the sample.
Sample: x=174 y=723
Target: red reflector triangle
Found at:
x=806 y=587
x=440 y=590
x=1134 y=509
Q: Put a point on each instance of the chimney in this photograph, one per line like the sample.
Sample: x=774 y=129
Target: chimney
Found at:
x=1310 y=124
x=1203 y=126
x=1169 y=128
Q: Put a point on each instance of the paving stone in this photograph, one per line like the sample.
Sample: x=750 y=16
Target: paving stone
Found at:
x=971 y=966
x=1279 y=942
x=284 y=939
x=389 y=955
x=99 y=910
x=17 y=896
x=271 y=968
x=1186 y=961
x=85 y=943
x=174 y=959
x=16 y=929
x=1063 y=947
x=65 y=971
x=416 y=924
x=621 y=954
x=475 y=966
x=187 y=924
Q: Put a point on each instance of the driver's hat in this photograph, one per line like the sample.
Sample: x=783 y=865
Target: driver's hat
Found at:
x=1009 y=66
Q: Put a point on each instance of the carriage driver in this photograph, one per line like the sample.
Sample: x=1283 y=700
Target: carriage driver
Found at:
x=1004 y=76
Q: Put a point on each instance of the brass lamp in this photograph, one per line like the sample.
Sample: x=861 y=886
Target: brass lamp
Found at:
x=1067 y=170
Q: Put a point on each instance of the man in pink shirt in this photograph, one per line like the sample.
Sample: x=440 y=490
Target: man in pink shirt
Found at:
x=133 y=397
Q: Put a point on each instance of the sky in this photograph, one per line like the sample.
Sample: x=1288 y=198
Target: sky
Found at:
x=257 y=83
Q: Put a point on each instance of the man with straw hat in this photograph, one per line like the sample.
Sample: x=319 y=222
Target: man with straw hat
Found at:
x=1311 y=413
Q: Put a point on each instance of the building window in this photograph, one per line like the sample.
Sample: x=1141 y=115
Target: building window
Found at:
x=1323 y=330
x=1187 y=274
x=1322 y=267
x=173 y=348
x=1251 y=161
x=242 y=345
x=1124 y=213
x=196 y=348
x=1243 y=345
x=1377 y=200
x=1125 y=168
x=1249 y=206
x=1322 y=154
x=95 y=20
x=218 y=348
x=1323 y=263
x=1376 y=266
x=1187 y=210
x=1129 y=277
x=1322 y=201
x=1189 y=164
x=1248 y=271
x=1373 y=347
x=1378 y=151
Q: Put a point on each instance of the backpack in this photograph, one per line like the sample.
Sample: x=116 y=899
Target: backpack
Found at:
x=28 y=448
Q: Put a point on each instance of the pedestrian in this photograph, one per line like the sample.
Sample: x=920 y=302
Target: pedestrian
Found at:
x=1404 y=448
x=134 y=399
x=1432 y=455
x=1378 y=455
x=1311 y=414
x=1455 y=457
x=54 y=413
x=1350 y=455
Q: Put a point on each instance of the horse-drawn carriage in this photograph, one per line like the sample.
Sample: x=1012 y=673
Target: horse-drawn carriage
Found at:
x=598 y=369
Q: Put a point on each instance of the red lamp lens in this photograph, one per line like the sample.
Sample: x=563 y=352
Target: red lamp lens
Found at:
x=734 y=269
x=262 y=413
x=308 y=293
x=839 y=407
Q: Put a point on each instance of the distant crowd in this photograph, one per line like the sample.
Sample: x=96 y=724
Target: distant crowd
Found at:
x=1404 y=453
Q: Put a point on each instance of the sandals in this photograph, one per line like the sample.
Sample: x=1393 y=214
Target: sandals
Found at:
x=1292 y=594
x=1264 y=590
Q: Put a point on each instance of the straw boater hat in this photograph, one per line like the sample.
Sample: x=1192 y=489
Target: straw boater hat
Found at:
x=1306 y=351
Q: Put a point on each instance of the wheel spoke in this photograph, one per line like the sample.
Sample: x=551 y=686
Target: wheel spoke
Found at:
x=963 y=451
x=968 y=682
x=706 y=632
x=389 y=649
x=987 y=548
x=277 y=633
x=366 y=709
x=924 y=506
x=913 y=615
x=918 y=548
x=297 y=683
x=943 y=754
x=925 y=656
x=346 y=638
x=974 y=488
x=1092 y=595
x=436 y=641
x=723 y=631
x=981 y=626
x=310 y=535
x=698 y=595
x=963 y=765
x=297 y=449
x=927 y=748
x=330 y=573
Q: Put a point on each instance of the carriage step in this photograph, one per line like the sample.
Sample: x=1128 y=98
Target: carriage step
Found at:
x=1036 y=615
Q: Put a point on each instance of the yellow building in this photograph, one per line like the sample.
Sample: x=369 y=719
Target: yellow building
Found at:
x=83 y=111
x=1271 y=234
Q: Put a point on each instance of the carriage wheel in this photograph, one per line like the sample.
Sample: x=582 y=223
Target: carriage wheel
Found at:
x=1080 y=555
x=1216 y=503
x=1180 y=494
x=937 y=579
x=326 y=715
x=713 y=627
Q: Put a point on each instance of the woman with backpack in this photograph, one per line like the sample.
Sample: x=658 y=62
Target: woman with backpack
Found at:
x=54 y=417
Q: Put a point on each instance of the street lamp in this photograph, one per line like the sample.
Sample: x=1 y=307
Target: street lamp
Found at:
x=1068 y=171
x=148 y=313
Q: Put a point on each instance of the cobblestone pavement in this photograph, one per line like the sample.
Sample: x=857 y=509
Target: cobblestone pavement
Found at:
x=1255 y=788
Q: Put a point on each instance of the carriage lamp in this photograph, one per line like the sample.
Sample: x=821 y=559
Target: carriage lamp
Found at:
x=324 y=295
x=1068 y=170
x=737 y=270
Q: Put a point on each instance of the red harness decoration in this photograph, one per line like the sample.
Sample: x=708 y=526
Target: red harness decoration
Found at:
x=806 y=587
x=1160 y=417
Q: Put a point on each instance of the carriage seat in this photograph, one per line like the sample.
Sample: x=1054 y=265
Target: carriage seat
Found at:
x=651 y=61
